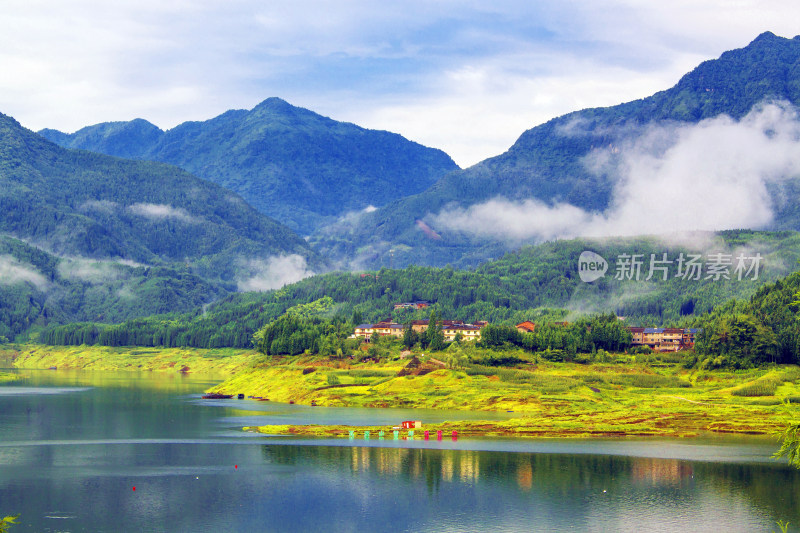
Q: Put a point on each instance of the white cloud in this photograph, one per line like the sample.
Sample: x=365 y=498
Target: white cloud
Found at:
x=161 y=212
x=273 y=272
x=104 y=206
x=94 y=271
x=348 y=222
x=13 y=271
x=670 y=178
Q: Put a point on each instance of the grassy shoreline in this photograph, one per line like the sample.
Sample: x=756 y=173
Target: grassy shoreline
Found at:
x=547 y=399
x=224 y=362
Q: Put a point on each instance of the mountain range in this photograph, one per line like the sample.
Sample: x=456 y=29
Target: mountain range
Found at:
x=89 y=236
x=572 y=168
x=290 y=163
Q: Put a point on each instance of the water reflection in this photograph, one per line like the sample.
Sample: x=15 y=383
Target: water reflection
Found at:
x=633 y=484
x=78 y=454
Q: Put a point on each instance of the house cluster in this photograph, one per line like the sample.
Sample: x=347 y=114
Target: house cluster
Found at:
x=530 y=327
x=419 y=304
x=450 y=328
x=658 y=339
x=664 y=339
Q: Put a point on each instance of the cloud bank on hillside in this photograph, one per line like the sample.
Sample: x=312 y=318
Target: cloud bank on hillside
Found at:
x=273 y=272
x=668 y=178
x=13 y=271
x=162 y=212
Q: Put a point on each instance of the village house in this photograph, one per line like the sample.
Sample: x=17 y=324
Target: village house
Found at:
x=526 y=327
x=419 y=304
x=468 y=332
x=663 y=339
x=450 y=328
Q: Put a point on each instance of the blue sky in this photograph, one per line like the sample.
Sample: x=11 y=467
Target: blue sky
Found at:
x=466 y=77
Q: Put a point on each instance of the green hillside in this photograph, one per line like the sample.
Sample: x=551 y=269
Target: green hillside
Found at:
x=86 y=236
x=289 y=163
x=38 y=288
x=90 y=205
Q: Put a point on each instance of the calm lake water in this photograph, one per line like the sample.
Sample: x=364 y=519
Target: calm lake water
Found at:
x=73 y=445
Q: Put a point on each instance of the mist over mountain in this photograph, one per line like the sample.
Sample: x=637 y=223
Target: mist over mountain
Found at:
x=38 y=288
x=719 y=150
x=296 y=166
x=90 y=236
x=537 y=283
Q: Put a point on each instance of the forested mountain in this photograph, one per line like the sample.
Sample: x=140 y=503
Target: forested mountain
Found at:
x=301 y=168
x=85 y=204
x=86 y=236
x=538 y=283
x=550 y=164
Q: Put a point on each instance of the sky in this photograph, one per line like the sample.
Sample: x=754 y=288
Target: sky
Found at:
x=463 y=76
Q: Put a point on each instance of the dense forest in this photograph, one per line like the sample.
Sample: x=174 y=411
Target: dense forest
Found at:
x=91 y=205
x=38 y=288
x=539 y=283
x=763 y=329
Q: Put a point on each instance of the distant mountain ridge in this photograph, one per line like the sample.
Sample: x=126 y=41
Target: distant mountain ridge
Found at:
x=288 y=162
x=547 y=165
x=93 y=205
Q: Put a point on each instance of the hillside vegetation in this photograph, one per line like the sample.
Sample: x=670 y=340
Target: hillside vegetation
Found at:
x=90 y=205
x=539 y=283
x=86 y=236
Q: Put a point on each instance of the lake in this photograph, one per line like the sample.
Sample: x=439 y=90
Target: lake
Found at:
x=74 y=445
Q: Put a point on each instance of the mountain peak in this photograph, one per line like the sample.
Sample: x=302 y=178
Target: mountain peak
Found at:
x=767 y=36
x=274 y=103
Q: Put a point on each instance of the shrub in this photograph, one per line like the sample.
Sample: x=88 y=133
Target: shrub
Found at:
x=504 y=360
x=647 y=381
x=555 y=356
x=759 y=387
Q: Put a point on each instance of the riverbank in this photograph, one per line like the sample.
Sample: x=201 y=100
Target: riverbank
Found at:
x=548 y=399
x=225 y=362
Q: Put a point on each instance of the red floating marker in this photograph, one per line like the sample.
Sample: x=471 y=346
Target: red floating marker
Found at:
x=235 y=467
x=134 y=489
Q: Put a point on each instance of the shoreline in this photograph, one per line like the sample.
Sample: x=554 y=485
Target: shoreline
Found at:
x=554 y=400
x=225 y=362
